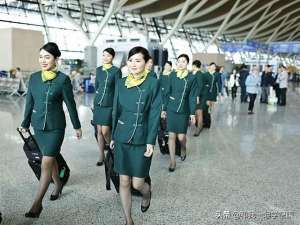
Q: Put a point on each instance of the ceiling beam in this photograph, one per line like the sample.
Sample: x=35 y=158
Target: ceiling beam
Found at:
x=209 y=9
x=251 y=32
x=109 y=13
x=293 y=33
x=43 y=16
x=266 y=25
x=138 y=5
x=167 y=11
x=220 y=30
x=248 y=16
x=238 y=17
x=178 y=22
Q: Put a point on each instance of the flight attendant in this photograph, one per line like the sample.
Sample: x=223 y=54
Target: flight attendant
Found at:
x=47 y=90
x=106 y=77
x=164 y=80
x=149 y=66
x=180 y=106
x=136 y=114
x=199 y=112
x=211 y=88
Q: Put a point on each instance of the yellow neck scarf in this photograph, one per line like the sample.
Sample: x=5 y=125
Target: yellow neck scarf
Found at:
x=211 y=71
x=132 y=81
x=181 y=73
x=106 y=66
x=49 y=74
x=166 y=73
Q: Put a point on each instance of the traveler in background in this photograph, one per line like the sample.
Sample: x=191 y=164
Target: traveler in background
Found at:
x=252 y=85
x=283 y=83
x=224 y=79
x=19 y=75
x=244 y=72
x=233 y=83
x=13 y=73
x=276 y=84
x=266 y=82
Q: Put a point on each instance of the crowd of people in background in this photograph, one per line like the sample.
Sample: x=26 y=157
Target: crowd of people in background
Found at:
x=271 y=86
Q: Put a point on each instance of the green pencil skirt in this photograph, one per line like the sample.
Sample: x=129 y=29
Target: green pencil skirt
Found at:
x=49 y=141
x=130 y=160
x=102 y=116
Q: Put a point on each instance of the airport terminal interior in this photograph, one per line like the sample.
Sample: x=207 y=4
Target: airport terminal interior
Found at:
x=241 y=164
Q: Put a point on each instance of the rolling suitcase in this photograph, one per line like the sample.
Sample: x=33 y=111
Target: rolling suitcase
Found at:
x=163 y=137
x=111 y=175
x=35 y=156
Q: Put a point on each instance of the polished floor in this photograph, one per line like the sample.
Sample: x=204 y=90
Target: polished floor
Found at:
x=245 y=170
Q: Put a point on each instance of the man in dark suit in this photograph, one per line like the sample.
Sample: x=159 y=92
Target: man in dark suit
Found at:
x=244 y=72
x=267 y=81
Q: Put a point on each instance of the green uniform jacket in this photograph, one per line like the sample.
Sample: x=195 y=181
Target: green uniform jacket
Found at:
x=44 y=108
x=164 y=84
x=153 y=74
x=181 y=94
x=136 y=112
x=105 y=86
x=211 y=86
x=199 y=80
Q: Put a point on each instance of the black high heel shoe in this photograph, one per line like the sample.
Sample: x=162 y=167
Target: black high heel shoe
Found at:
x=145 y=208
x=183 y=157
x=34 y=215
x=99 y=163
x=171 y=169
x=55 y=197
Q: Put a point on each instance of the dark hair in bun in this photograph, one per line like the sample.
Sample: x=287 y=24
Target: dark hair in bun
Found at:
x=169 y=62
x=197 y=63
x=184 y=56
x=111 y=51
x=141 y=50
x=52 y=48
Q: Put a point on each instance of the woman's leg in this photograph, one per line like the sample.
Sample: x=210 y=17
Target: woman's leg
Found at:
x=182 y=140
x=199 y=119
x=106 y=134
x=233 y=93
x=254 y=97
x=172 y=146
x=143 y=187
x=55 y=178
x=46 y=171
x=251 y=103
x=101 y=143
x=282 y=96
x=125 y=195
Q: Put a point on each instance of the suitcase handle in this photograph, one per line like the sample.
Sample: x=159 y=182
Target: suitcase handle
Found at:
x=21 y=132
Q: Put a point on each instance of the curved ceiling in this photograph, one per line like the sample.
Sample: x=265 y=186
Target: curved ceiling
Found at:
x=276 y=18
x=263 y=20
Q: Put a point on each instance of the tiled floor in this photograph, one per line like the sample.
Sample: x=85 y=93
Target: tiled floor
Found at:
x=244 y=170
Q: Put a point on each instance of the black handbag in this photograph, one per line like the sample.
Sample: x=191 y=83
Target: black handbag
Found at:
x=110 y=174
